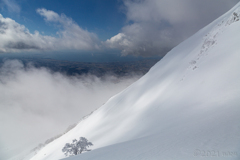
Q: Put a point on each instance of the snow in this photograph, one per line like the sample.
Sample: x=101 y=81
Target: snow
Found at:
x=186 y=107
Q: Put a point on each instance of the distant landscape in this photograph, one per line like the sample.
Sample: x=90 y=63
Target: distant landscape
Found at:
x=98 y=69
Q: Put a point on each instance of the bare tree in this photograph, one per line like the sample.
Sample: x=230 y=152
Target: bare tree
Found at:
x=77 y=147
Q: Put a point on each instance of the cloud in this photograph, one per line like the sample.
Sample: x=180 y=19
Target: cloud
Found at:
x=16 y=37
x=12 y=6
x=51 y=16
x=36 y=103
x=142 y=39
x=72 y=36
x=155 y=26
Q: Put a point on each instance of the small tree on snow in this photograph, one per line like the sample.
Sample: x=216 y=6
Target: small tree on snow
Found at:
x=77 y=147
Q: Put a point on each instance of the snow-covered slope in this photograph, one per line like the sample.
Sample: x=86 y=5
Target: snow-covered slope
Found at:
x=186 y=107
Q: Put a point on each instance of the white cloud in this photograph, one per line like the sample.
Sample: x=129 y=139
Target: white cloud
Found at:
x=36 y=103
x=16 y=37
x=72 y=36
x=49 y=15
x=141 y=39
x=157 y=25
x=12 y=6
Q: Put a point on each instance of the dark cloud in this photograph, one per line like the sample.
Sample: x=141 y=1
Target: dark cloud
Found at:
x=20 y=46
x=157 y=25
x=3 y=27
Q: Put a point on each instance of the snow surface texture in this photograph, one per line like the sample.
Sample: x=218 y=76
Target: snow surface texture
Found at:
x=186 y=107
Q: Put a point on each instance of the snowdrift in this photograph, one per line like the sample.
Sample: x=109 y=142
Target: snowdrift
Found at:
x=186 y=107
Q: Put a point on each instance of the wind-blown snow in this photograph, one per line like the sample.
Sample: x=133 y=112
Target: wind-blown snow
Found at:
x=186 y=107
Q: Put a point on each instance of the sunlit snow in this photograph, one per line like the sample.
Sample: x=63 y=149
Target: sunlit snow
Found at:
x=186 y=107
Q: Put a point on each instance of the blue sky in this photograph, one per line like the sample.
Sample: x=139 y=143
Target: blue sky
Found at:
x=103 y=17
x=129 y=27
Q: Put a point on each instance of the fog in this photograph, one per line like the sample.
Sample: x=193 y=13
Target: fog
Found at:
x=37 y=104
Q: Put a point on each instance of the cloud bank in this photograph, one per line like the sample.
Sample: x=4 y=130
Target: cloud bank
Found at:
x=16 y=37
x=36 y=103
x=152 y=28
x=155 y=26
x=71 y=36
